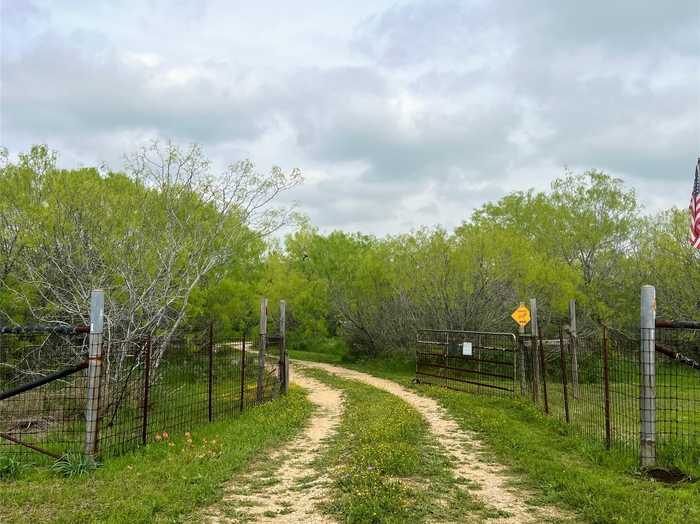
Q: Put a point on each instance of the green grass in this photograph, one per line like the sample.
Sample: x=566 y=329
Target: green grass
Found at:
x=386 y=468
x=560 y=466
x=163 y=482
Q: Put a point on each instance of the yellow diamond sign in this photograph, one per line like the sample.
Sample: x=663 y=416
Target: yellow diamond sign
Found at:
x=521 y=315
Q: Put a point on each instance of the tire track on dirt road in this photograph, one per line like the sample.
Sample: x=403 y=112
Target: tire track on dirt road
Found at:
x=290 y=492
x=464 y=449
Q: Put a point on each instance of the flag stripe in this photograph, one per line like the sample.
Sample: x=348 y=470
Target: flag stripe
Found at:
x=695 y=210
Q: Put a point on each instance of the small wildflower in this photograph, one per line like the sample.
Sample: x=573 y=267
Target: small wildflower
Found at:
x=171 y=444
x=158 y=437
x=188 y=434
x=165 y=435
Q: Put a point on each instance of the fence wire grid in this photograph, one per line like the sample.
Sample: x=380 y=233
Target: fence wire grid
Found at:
x=147 y=388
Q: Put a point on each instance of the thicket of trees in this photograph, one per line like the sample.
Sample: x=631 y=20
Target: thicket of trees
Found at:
x=155 y=236
x=175 y=246
x=586 y=238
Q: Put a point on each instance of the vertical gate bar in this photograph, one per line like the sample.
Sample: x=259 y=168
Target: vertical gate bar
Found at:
x=261 y=350
x=543 y=369
x=211 y=369
x=146 y=387
x=243 y=373
x=94 y=374
x=606 y=389
x=573 y=343
x=562 y=362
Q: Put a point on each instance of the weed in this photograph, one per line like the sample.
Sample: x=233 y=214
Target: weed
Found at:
x=12 y=468
x=74 y=465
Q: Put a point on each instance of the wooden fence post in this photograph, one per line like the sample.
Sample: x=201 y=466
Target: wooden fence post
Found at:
x=534 y=330
x=284 y=357
x=573 y=344
x=647 y=393
x=261 y=350
x=94 y=374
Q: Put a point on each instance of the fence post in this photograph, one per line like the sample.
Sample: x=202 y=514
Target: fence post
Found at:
x=562 y=363
x=261 y=350
x=573 y=344
x=146 y=388
x=521 y=350
x=543 y=366
x=243 y=374
x=94 y=373
x=647 y=394
x=534 y=330
x=284 y=358
x=210 y=373
x=606 y=389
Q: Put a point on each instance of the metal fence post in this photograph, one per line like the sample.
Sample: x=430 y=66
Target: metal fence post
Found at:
x=243 y=373
x=94 y=373
x=534 y=330
x=647 y=394
x=543 y=367
x=146 y=388
x=606 y=389
x=284 y=358
x=562 y=363
x=261 y=350
x=210 y=373
x=521 y=351
x=573 y=343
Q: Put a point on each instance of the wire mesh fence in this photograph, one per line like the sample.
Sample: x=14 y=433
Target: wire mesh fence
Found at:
x=597 y=383
x=147 y=387
x=51 y=415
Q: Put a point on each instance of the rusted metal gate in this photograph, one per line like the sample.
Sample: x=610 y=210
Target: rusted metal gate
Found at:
x=474 y=361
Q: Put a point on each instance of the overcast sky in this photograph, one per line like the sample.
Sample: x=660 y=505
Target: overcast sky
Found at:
x=399 y=114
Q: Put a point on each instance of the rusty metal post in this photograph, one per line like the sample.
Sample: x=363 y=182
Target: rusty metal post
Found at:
x=243 y=373
x=606 y=389
x=535 y=331
x=261 y=351
x=146 y=389
x=543 y=367
x=210 y=373
x=94 y=374
x=521 y=356
x=284 y=358
x=564 y=385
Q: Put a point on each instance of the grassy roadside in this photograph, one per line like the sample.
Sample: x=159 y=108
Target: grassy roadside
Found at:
x=386 y=469
x=163 y=482
x=559 y=466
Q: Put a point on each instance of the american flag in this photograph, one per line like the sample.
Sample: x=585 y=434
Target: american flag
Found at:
x=695 y=210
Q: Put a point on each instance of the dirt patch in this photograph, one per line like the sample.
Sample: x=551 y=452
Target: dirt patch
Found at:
x=287 y=488
x=464 y=450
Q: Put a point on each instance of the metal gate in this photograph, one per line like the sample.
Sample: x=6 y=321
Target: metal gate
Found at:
x=473 y=361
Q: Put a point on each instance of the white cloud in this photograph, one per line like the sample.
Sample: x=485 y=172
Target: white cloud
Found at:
x=402 y=114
